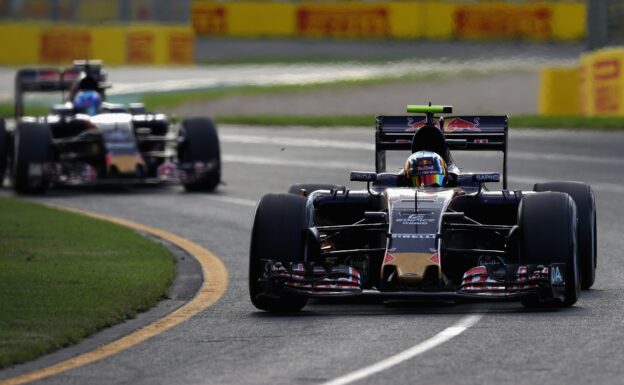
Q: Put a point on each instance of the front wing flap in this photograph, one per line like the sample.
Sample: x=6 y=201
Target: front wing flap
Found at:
x=509 y=282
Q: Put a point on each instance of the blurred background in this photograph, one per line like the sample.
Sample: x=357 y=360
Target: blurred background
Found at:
x=333 y=57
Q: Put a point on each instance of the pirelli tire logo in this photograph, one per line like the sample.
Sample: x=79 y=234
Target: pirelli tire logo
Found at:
x=141 y=47
x=345 y=21
x=64 y=45
x=503 y=21
x=208 y=19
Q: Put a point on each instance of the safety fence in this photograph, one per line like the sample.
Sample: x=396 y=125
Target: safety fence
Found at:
x=34 y=43
x=593 y=88
x=492 y=20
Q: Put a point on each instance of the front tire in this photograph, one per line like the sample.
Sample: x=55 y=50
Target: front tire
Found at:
x=583 y=197
x=201 y=144
x=548 y=234
x=33 y=145
x=278 y=233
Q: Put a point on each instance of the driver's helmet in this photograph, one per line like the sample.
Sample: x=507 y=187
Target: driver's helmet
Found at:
x=87 y=102
x=425 y=169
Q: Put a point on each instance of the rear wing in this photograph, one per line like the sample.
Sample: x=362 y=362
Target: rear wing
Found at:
x=31 y=80
x=462 y=133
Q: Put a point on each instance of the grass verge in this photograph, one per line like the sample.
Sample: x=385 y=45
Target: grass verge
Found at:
x=522 y=121
x=64 y=276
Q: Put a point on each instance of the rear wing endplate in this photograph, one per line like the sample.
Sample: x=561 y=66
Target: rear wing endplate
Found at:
x=462 y=133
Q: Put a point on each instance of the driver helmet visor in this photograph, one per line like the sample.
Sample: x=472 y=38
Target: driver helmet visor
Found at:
x=428 y=180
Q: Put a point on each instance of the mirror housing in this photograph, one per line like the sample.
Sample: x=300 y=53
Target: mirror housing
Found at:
x=486 y=177
x=363 y=176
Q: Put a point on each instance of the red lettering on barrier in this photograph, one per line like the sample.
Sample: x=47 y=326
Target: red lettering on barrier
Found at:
x=607 y=69
x=491 y=22
x=63 y=46
x=606 y=99
x=181 y=48
x=343 y=22
x=140 y=47
x=209 y=20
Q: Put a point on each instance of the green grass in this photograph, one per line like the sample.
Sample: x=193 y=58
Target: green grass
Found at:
x=64 y=276
x=521 y=121
x=7 y=110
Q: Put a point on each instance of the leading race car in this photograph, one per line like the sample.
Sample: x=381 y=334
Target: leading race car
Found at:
x=429 y=231
x=87 y=141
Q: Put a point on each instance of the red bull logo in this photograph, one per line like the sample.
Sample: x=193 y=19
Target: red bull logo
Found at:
x=459 y=124
x=414 y=125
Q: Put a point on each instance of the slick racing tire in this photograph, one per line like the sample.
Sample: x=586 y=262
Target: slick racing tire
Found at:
x=583 y=197
x=548 y=233
x=33 y=145
x=4 y=150
x=278 y=233
x=304 y=189
x=200 y=144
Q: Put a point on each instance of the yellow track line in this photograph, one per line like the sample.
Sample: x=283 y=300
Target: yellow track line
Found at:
x=215 y=282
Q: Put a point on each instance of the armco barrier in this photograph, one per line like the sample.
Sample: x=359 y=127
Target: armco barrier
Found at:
x=391 y=19
x=45 y=43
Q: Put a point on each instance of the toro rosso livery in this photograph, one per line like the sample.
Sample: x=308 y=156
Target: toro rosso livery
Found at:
x=87 y=141
x=428 y=231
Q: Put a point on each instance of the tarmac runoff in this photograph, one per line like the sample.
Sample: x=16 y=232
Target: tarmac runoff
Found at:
x=214 y=282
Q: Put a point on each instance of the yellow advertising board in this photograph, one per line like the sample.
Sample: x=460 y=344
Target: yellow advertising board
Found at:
x=559 y=93
x=596 y=88
x=502 y=21
x=343 y=20
x=19 y=44
x=107 y=44
x=62 y=44
x=391 y=19
x=602 y=82
x=40 y=43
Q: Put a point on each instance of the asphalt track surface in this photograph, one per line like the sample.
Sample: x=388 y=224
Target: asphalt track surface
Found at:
x=233 y=343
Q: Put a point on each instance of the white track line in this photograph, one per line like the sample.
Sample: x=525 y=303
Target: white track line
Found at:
x=235 y=201
x=445 y=335
x=266 y=161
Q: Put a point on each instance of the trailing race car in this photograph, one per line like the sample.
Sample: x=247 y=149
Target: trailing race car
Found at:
x=429 y=231
x=87 y=141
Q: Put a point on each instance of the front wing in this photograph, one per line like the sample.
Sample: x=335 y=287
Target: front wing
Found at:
x=83 y=174
x=511 y=282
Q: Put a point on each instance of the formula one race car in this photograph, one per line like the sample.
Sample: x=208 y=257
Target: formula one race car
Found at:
x=429 y=231
x=86 y=141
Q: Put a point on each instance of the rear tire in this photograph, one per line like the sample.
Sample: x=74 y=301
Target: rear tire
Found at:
x=583 y=197
x=33 y=144
x=278 y=233
x=548 y=234
x=307 y=188
x=4 y=150
x=201 y=144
